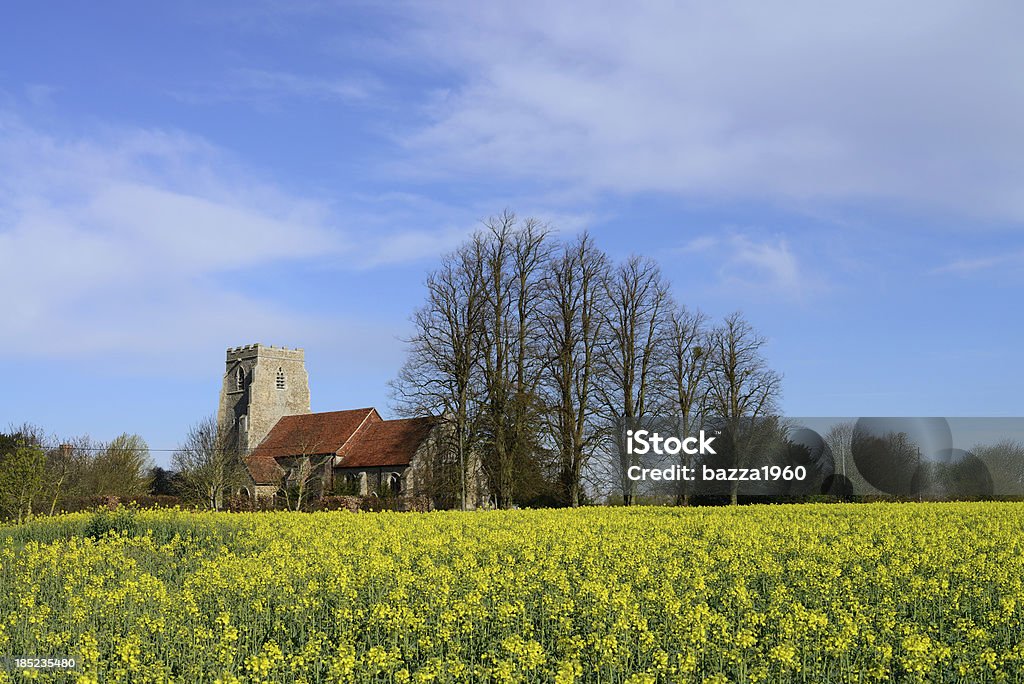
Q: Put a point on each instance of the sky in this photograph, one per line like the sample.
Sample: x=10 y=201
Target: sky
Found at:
x=180 y=178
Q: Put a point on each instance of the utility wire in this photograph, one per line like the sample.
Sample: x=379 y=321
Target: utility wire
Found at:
x=298 y=449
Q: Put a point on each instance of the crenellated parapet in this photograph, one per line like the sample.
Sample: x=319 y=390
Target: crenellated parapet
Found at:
x=261 y=384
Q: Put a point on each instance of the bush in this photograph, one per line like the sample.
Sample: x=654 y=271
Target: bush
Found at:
x=354 y=504
x=121 y=520
x=418 y=504
x=75 y=504
x=244 y=503
x=339 y=503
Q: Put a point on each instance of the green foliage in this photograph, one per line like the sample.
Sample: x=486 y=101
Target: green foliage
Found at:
x=345 y=487
x=119 y=469
x=120 y=521
x=22 y=476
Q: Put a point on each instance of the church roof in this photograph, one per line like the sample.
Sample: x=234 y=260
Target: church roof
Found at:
x=305 y=434
x=387 y=443
x=359 y=437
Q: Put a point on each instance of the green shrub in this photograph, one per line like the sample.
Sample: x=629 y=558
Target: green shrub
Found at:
x=121 y=520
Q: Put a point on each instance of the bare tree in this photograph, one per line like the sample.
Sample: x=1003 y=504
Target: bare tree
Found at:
x=1005 y=462
x=686 y=373
x=890 y=460
x=572 y=320
x=637 y=321
x=302 y=480
x=522 y=348
x=840 y=441
x=120 y=468
x=440 y=374
x=63 y=464
x=209 y=465
x=307 y=474
x=742 y=389
x=514 y=257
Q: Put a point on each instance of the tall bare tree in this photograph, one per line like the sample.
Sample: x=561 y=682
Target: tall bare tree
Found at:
x=514 y=259
x=440 y=375
x=742 y=389
x=637 y=321
x=572 y=321
x=209 y=465
x=686 y=374
x=526 y=348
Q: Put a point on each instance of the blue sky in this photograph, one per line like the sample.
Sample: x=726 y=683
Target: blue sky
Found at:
x=179 y=178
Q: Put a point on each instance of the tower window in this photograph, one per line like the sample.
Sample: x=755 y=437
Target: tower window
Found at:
x=280 y=379
x=239 y=378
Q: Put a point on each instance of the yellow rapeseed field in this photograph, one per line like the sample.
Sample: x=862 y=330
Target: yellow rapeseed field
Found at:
x=805 y=593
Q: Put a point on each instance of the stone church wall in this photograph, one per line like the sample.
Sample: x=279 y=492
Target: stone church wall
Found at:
x=250 y=408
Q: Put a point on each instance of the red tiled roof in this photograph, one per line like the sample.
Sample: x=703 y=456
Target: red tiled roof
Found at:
x=305 y=434
x=264 y=470
x=387 y=443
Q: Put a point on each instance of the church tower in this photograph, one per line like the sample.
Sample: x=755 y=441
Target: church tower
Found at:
x=261 y=384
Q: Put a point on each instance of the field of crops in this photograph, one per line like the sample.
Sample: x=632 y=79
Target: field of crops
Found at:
x=811 y=593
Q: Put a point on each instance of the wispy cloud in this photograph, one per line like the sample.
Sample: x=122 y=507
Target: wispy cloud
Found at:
x=745 y=263
x=412 y=245
x=106 y=244
x=771 y=263
x=922 y=107
x=134 y=239
x=700 y=244
x=272 y=86
x=979 y=264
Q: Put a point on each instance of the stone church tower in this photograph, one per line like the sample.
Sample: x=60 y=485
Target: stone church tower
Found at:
x=261 y=384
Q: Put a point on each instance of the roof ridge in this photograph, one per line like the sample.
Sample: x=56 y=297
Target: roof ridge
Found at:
x=320 y=413
x=399 y=420
x=359 y=427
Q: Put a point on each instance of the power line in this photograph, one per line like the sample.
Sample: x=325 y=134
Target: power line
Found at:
x=299 y=450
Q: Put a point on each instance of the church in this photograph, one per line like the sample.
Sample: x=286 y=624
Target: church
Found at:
x=265 y=411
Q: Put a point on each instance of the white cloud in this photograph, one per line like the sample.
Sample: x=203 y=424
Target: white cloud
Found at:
x=915 y=104
x=769 y=263
x=125 y=243
x=412 y=245
x=751 y=265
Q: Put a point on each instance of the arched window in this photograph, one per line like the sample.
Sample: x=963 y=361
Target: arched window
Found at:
x=239 y=378
x=394 y=483
x=280 y=378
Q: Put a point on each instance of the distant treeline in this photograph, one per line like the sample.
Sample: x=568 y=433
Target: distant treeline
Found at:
x=41 y=474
